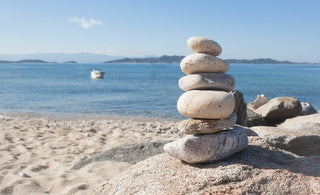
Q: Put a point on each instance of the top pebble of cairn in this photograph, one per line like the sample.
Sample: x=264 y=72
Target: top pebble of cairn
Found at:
x=204 y=45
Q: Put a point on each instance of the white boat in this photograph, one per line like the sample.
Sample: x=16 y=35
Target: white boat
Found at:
x=96 y=74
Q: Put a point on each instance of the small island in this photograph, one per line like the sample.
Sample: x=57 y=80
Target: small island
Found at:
x=24 y=61
x=70 y=62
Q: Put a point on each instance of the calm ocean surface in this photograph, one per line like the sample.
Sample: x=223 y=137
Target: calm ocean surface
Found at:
x=148 y=90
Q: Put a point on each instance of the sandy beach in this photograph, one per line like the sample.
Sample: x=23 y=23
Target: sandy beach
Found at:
x=37 y=152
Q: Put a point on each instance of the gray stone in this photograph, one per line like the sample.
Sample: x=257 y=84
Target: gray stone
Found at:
x=208 y=147
x=298 y=142
x=204 y=45
x=255 y=119
x=214 y=81
x=279 y=109
x=206 y=104
x=131 y=153
x=200 y=126
x=240 y=108
x=203 y=63
x=258 y=102
x=306 y=124
x=307 y=109
x=261 y=168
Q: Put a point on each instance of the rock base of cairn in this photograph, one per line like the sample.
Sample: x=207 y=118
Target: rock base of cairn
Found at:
x=211 y=131
x=208 y=147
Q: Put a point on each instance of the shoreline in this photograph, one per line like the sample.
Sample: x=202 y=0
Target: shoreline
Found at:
x=84 y=116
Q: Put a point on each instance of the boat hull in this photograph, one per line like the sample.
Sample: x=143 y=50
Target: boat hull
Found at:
x=97 y=75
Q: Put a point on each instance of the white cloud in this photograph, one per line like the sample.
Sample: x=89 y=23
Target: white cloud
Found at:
x=85 y=23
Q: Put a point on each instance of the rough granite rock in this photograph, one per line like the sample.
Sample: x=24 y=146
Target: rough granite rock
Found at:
x=206 y=104
x=279 y=109
x=131 y=153
x=305 y=124
x=203 y=63
x=200 y=126
x=255 y=119
x=214 y=81
x=298 y=142
x=204 y=45
x=208 y=147
x=261 y=168
x=258 y=102
x=240 y=108
x=307 y=109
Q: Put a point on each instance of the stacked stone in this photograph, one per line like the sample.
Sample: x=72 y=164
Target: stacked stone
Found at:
x=211 y=131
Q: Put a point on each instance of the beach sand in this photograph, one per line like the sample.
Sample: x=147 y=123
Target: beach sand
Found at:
x=37 y=152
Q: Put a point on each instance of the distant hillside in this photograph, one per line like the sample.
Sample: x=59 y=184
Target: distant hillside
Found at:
x=162 y=59
x=258 y=61
x=177 y=59
x=70 y=62
x=24 y=61
x=84 y=57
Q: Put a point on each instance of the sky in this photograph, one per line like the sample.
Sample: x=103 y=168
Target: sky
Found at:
x=246 y=29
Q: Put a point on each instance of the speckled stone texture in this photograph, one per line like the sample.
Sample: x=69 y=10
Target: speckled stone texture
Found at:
x=202 y=126
x=213 y=81
x=203 y=63
x=204 y=45
x=208 y=147
x=206 y=104
x=261 y=168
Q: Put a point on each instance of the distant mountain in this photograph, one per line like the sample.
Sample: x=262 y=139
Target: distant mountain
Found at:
x=177 y=59
x=61 y=57
x=162 y=59
x=24 y=61
x=99 y=58
x=258 y=61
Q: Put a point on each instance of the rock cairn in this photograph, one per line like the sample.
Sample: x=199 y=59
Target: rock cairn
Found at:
x=211 y=131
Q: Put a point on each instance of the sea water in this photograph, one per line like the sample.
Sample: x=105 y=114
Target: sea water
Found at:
x=147 y=90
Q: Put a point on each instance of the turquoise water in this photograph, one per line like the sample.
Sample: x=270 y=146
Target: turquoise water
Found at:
x=149 y=90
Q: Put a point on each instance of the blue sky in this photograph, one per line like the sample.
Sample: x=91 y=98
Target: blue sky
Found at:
x=279 y=29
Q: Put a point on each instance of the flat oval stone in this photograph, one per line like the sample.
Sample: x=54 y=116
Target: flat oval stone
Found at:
x=204 y=45
x=215 y=81
x=201 y=126
x=203 y=63
x=208 y=147
x=206 y=104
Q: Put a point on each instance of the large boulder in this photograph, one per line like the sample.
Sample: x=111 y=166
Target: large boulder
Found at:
x=279 y=109
x=259 y=169
x=240 y=108
x=254 y=119
x=298 y=142
x=306 y=124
